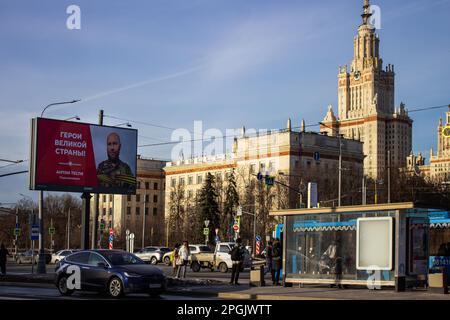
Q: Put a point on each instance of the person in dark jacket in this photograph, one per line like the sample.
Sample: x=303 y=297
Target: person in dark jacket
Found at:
x=3 y=256
x=276 y=262
x=269 y=257
x=237 y=258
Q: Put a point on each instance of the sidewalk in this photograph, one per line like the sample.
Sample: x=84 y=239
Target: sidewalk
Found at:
x=218 y=289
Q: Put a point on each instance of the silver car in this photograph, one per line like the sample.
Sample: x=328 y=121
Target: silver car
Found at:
x=61 y=254
x=152 y=254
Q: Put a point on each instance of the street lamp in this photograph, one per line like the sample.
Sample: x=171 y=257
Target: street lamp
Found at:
x=123 y=124
x=74 y=117
x=340 y=161
x=41 y=263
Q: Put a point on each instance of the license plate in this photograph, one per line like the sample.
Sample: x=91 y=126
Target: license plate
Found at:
x=154 y=286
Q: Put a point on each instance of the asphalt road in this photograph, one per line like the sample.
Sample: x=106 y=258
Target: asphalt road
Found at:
x=30 y=293
x=203 y=274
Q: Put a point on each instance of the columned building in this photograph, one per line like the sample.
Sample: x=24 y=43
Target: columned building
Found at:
x=366 y=109
x=438 y=169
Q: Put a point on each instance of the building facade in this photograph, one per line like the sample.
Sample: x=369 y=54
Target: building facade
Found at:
x=438 y=168
x=366 y=109
x=140 y=213
x=292 y=157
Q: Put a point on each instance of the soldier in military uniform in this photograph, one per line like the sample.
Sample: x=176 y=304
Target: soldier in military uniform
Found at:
x=114 y=172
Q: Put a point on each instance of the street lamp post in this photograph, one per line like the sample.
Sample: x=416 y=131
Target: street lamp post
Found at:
x=41 y=263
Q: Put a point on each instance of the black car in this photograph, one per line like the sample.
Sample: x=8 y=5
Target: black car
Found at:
x=115 y=272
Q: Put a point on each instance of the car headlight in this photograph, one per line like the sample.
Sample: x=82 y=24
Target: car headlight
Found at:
x=131 y=275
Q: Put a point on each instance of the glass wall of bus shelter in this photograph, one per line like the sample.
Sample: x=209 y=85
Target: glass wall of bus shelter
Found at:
x=440 y=243
x=323 y=246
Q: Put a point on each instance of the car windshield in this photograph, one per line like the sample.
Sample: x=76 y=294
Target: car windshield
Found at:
x=204 y=249
x=165 y=249
x=122 y=258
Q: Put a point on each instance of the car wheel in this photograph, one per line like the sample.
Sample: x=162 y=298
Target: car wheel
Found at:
x=153 y=260
x=195 y=266
x=115 y=287
x=223 y=267
x=167 y=261
x=62 y=286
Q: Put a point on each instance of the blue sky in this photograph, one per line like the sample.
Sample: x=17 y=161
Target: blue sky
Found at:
x=226 y=62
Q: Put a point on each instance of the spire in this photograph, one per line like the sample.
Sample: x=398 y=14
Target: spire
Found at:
x=303 y=125
x=289 y=127
x=366 y=14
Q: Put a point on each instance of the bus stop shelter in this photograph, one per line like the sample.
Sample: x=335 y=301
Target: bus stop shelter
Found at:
x=369 y=245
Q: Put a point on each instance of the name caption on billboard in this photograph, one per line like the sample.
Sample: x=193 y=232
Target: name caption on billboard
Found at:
x=225 y=309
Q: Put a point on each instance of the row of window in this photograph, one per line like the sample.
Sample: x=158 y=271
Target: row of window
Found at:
x=147 y=198
x=138 y=211
x=147 y=185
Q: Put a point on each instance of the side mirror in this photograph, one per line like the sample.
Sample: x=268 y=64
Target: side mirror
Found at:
x=102 y=265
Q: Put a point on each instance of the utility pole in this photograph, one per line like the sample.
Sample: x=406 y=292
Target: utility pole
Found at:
x=51 y=235
x=68 y=230
x=95 y=235
x=143 y=218
x=17 y=224
x=389 y=176
x=364 y=191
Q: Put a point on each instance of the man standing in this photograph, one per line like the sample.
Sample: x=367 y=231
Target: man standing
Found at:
x=3 y=256
x=276 y=262
x=237 y=258
x=114 y=172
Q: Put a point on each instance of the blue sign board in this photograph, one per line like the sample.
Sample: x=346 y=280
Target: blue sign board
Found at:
x=317 y=156
x=258 y=238
x=34 y=232
x=111 y=238
x=259 y=176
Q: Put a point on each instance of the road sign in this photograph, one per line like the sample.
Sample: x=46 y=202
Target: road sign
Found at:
x=206 y=231
x=51 y=230
x=236 y=228
x=34 y=232
x=206 y=223
x=259 y=176
x=317 y=156
x=258 y=247
x=258 y=238
x=270 y=181
x=17 y=231
x=239 y=211
x=111 y=238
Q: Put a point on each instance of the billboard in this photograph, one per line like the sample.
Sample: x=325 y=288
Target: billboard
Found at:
x=81 y=157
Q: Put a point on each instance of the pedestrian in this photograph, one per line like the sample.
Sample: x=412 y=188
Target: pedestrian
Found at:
x=269 y=257
x=4 y=253
x=237 y=259
x=276 y=262
x=183 y=259
x=173 y=259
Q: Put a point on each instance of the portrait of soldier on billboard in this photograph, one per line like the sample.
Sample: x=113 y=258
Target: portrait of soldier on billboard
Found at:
x=113 y=172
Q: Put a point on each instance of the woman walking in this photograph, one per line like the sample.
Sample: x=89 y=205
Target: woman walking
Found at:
x=183 y=259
